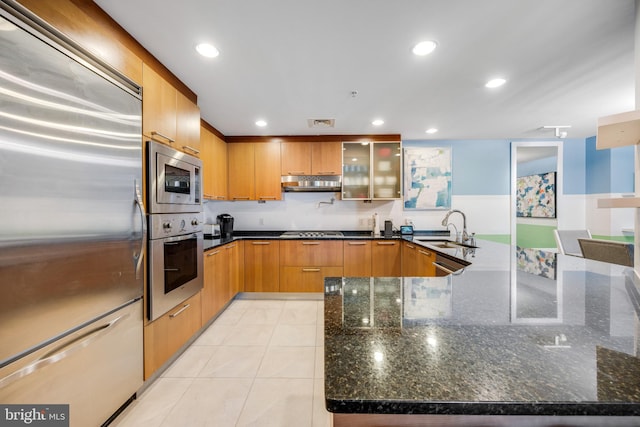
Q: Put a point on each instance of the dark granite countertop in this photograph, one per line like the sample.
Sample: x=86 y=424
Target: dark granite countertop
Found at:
x=210 y=243
x=519 y=332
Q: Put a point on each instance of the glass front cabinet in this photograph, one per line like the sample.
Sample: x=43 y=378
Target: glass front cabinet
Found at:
x=371 y=170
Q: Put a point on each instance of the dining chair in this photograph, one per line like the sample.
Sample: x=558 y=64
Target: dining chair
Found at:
x=567 y=241
x=608 y=251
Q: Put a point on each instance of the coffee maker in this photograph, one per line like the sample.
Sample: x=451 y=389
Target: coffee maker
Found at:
x=226 y=226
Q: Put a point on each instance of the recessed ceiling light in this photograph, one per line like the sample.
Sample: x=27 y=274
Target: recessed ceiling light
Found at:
x=424 y=48
x=432 y=130
x=261 y=123
x=495 y=83
x=377 y=122
x=207 y=50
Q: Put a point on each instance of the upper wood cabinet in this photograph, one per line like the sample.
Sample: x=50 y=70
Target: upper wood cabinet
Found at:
x=187 y=126
x=168 y=116
x=214 y=165
x=254 y=171
x=296 y=158
x=267 y=167
x=326 y=158
x=311 y=158
x=241 y=166
x=158 y=107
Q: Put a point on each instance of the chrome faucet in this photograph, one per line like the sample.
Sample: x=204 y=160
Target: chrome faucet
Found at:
x=465 y=235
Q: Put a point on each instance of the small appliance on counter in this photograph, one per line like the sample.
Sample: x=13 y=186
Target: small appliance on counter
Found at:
x=226 y=226
x=211 y=231
x=388 y=228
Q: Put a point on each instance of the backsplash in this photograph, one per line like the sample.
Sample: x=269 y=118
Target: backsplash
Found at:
x=314 y=211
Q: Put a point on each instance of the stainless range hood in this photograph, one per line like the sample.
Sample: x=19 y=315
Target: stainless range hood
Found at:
x=312 y=183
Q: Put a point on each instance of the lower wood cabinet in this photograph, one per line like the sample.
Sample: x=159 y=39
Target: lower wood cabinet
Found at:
x=357 y=258
x=223 y=277
x=305 y=263
x=417 y=260
x=164 y=336
x=261 y=266
x=306 y=279
x=386 y=258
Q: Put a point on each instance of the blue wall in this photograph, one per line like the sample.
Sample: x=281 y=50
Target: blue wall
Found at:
x=485 y=165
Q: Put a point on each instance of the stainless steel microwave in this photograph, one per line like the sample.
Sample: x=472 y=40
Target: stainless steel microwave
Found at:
x=174 y=180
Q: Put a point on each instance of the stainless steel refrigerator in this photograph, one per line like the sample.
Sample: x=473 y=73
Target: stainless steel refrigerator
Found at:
x=72 y=226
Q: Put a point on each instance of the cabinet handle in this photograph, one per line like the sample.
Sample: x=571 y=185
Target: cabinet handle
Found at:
x=310 y=270
x=193 y=150
x=267 y=198
x=425 y=253
x=326 y=172
x=295 y=173
x=213 y=253
x=154 y=133
x=409 y=246
x=387 y=243
x=260 y=243
x=230 y=246
x=357 y=243
x=177 y=313
x=310 y=243
x=219 y=197
x=241 y=198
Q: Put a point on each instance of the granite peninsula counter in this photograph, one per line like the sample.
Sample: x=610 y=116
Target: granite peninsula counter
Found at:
x=520 y=337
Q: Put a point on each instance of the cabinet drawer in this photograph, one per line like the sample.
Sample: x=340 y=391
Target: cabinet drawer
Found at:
x=317 y=253
x=306 y=279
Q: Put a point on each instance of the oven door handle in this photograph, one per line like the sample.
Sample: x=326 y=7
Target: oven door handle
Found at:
x=137 y=258
x=174 y=240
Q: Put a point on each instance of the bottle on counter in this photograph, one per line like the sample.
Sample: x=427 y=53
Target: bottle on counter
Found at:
x=376 y=225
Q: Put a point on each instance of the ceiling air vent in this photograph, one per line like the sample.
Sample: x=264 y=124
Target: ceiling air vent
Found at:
x=321 y=123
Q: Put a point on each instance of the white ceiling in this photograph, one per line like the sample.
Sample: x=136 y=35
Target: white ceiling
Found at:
x=567 y=62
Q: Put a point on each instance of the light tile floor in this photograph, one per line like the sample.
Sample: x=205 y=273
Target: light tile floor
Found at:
x=260 y=363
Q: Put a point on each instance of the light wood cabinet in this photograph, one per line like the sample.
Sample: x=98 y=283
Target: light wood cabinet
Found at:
x=267 y=171
x=235 y=257
x=295 y=158
x=305 y=263
x=417 y=260
x=261 y=266
x=241 y=166
x=311 y=158
x=306 y=279
x=168 y=116
x=165 y=336
x=214 y=291
x=385 y=258
x=326 y=158
x=159 y=107
x=357 y=258
x=223 y=277
x=214 y=165
x=187 y=126
x=254 y=171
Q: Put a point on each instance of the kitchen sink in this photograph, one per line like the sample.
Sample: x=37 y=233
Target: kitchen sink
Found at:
x=445 y=244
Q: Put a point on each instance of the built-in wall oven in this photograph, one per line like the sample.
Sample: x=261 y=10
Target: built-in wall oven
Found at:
x=175 y=260
x=175 y=251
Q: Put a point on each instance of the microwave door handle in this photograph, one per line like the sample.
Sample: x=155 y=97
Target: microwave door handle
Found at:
x=137 y=258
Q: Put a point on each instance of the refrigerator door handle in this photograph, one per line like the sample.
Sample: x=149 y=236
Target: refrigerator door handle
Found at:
x=143 y=217
x=63 y=351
